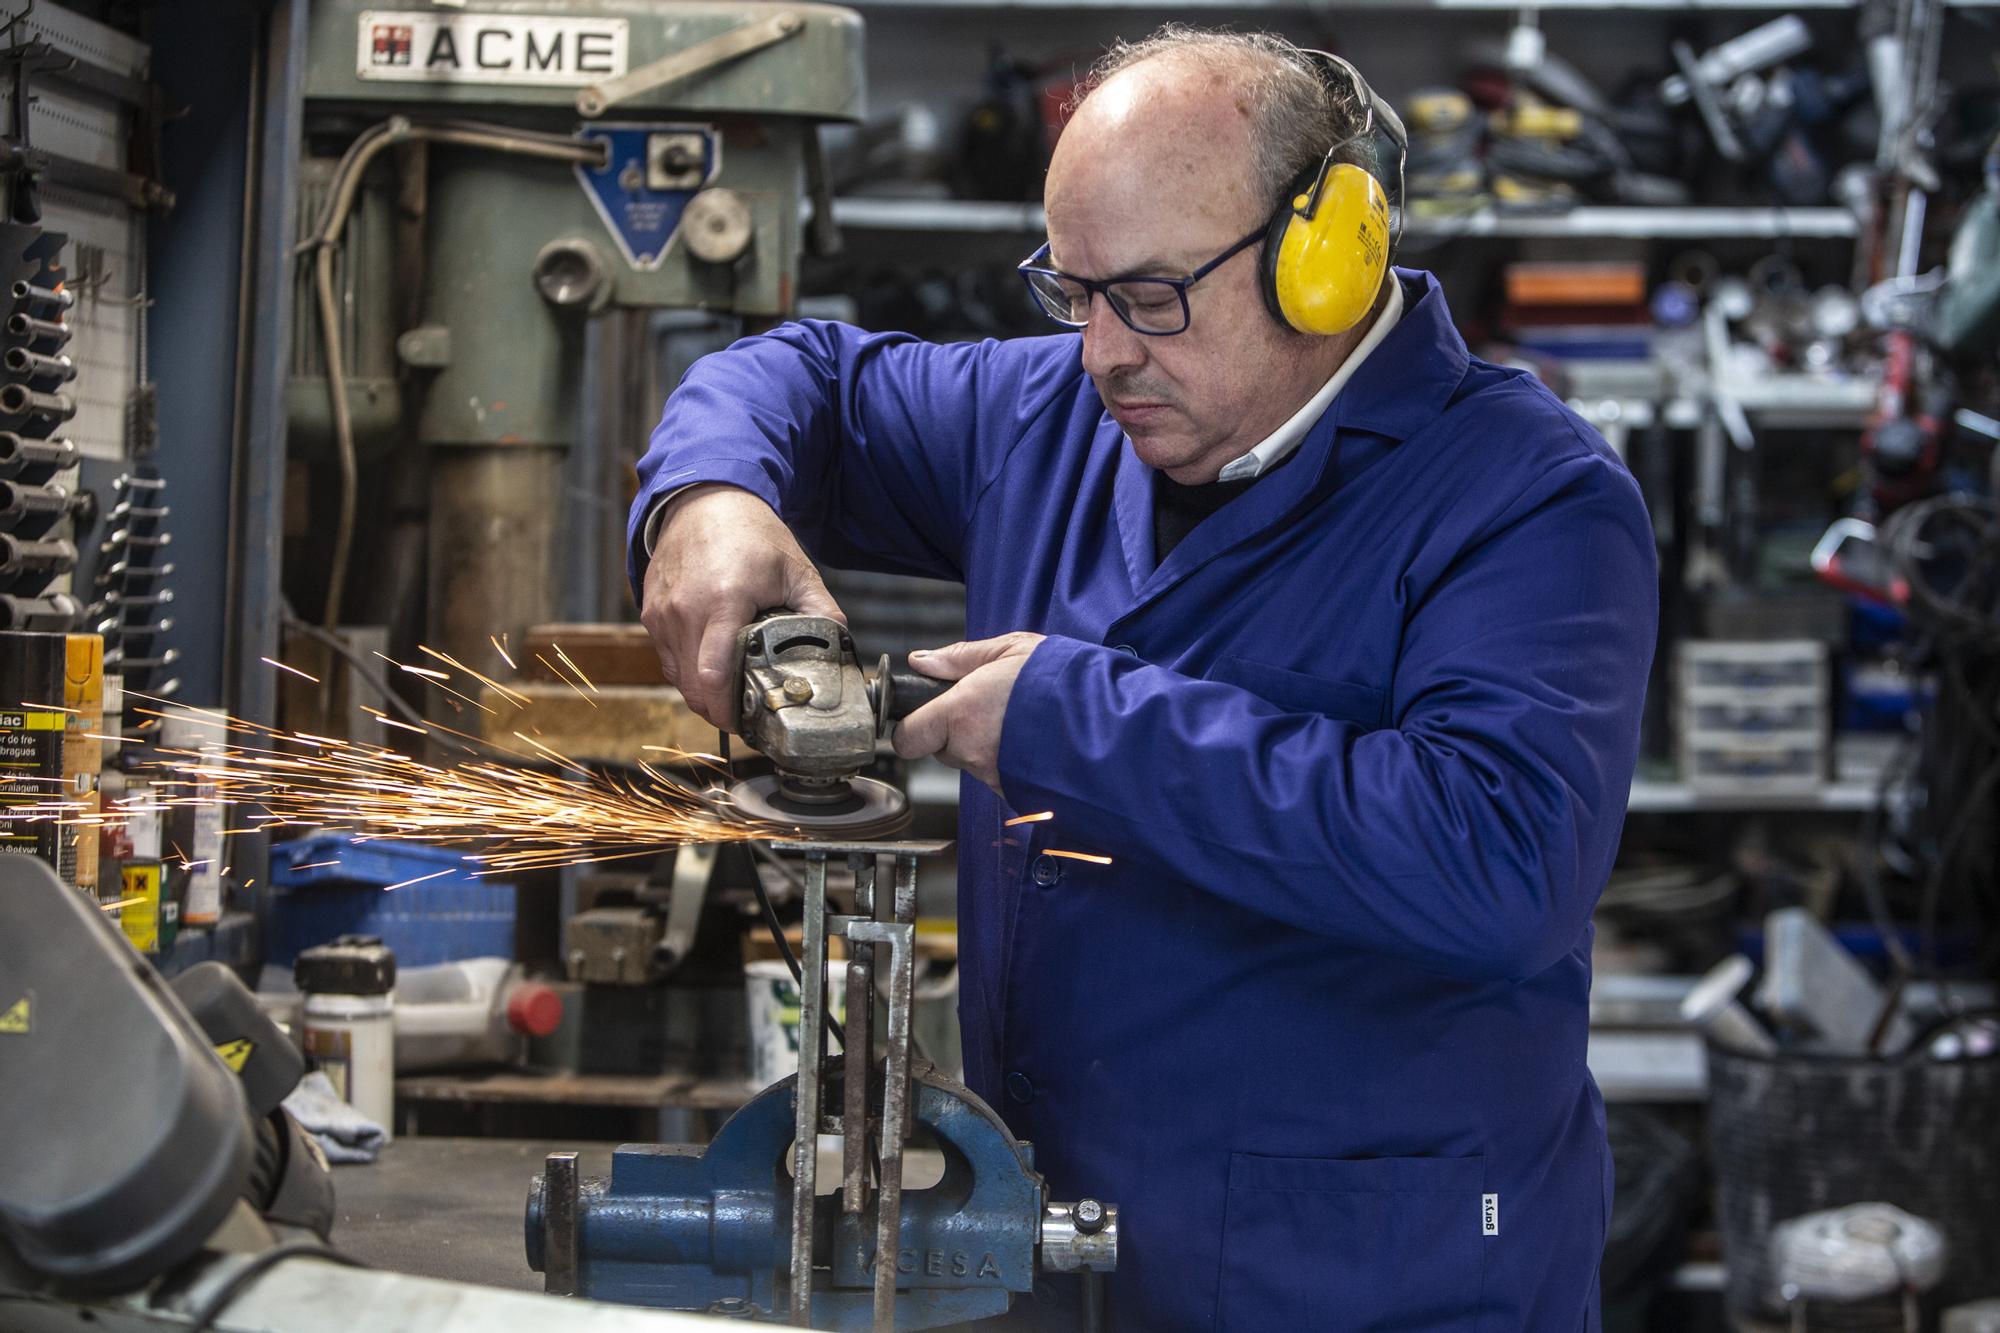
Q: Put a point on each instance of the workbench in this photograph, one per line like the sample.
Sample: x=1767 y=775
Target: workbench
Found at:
x=448 y=1208
x=664 y=1108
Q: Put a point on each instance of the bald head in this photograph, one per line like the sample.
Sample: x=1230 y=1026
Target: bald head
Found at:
x=1163 y=132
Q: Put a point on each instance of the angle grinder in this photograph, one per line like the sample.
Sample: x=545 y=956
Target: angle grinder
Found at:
x=804 y=700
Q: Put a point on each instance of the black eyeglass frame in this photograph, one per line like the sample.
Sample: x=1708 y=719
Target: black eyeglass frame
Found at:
x=1030 y=270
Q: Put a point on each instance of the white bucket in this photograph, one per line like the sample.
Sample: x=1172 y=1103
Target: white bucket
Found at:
x=774 y=1016
x=354 y=1039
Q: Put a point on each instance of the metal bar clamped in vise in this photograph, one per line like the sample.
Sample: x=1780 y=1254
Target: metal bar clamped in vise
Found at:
x=727 y=1230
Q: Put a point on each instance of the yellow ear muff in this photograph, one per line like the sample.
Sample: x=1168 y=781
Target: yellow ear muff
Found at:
x=1328 y=268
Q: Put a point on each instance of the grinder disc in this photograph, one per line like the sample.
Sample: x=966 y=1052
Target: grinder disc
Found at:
x=871 y=809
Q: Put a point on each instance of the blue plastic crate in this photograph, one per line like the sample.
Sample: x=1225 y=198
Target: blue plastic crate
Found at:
x=376 y=862
x=437 y=921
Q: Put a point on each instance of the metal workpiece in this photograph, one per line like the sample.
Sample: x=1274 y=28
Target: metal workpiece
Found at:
x=858 y=1057
x=557 y=1198
x=1079 y=1237
x=806 y=1089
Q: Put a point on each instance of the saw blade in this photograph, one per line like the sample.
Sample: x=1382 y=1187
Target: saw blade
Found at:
x=871 y=809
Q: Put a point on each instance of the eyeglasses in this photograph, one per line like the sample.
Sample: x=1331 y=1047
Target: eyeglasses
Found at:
x=1155 y=307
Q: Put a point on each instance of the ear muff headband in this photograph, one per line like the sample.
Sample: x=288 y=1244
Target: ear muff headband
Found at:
x=1330 y=238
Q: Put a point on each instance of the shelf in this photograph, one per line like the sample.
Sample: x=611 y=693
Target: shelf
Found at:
x=1649 y=224
x=1678 y=798
x=975 y=215
x=1386 y=6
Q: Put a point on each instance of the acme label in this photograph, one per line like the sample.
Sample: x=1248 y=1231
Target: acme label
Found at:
x=427 y=47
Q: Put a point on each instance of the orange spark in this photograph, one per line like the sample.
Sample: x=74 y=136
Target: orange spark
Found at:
x=272 y=661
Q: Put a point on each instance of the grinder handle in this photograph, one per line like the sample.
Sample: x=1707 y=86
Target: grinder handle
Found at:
x=909 y=691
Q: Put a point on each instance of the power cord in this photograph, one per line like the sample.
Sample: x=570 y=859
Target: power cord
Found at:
x=261 y=1263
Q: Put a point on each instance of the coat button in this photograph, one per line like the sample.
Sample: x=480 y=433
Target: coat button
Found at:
x=1046 y=870
x=1020 y=1088
x=1127 y=649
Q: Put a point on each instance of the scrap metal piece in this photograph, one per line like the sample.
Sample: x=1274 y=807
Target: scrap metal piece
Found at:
x=858 y=1057
x=812 y=1052
x=560 y=1193
x=1713 y=1007
x=1813 y=987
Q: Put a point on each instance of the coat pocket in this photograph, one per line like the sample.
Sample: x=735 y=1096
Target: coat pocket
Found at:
x=1363 y=1244
x=1295 y=691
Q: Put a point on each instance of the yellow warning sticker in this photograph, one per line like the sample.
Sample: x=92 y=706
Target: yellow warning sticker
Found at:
x=236 y=1053
x=19 y=1016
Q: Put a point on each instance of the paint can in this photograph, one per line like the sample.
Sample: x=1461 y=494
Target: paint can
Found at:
x=350 y=1021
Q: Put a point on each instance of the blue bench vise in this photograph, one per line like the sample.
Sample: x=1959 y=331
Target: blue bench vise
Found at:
x=731 y=1231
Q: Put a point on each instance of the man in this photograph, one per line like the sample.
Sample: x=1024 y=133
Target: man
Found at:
x=1334 y=644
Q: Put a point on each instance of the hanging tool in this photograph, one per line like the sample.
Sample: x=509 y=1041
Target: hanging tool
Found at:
x=805 y=701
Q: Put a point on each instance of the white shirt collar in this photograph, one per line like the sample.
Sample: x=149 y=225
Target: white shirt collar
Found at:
x=1280 y=443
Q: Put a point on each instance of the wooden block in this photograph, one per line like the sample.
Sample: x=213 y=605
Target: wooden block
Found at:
x=613 y=654
x=611 y=725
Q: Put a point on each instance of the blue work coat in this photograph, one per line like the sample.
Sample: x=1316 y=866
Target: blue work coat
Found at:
x=1359 y=750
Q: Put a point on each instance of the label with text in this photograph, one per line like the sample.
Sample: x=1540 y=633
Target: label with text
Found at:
x=545 y=49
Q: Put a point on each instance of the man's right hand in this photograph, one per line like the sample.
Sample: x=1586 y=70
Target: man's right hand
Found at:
x=721 y=557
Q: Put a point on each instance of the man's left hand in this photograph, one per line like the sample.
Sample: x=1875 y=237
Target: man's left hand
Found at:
x=962 y=726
